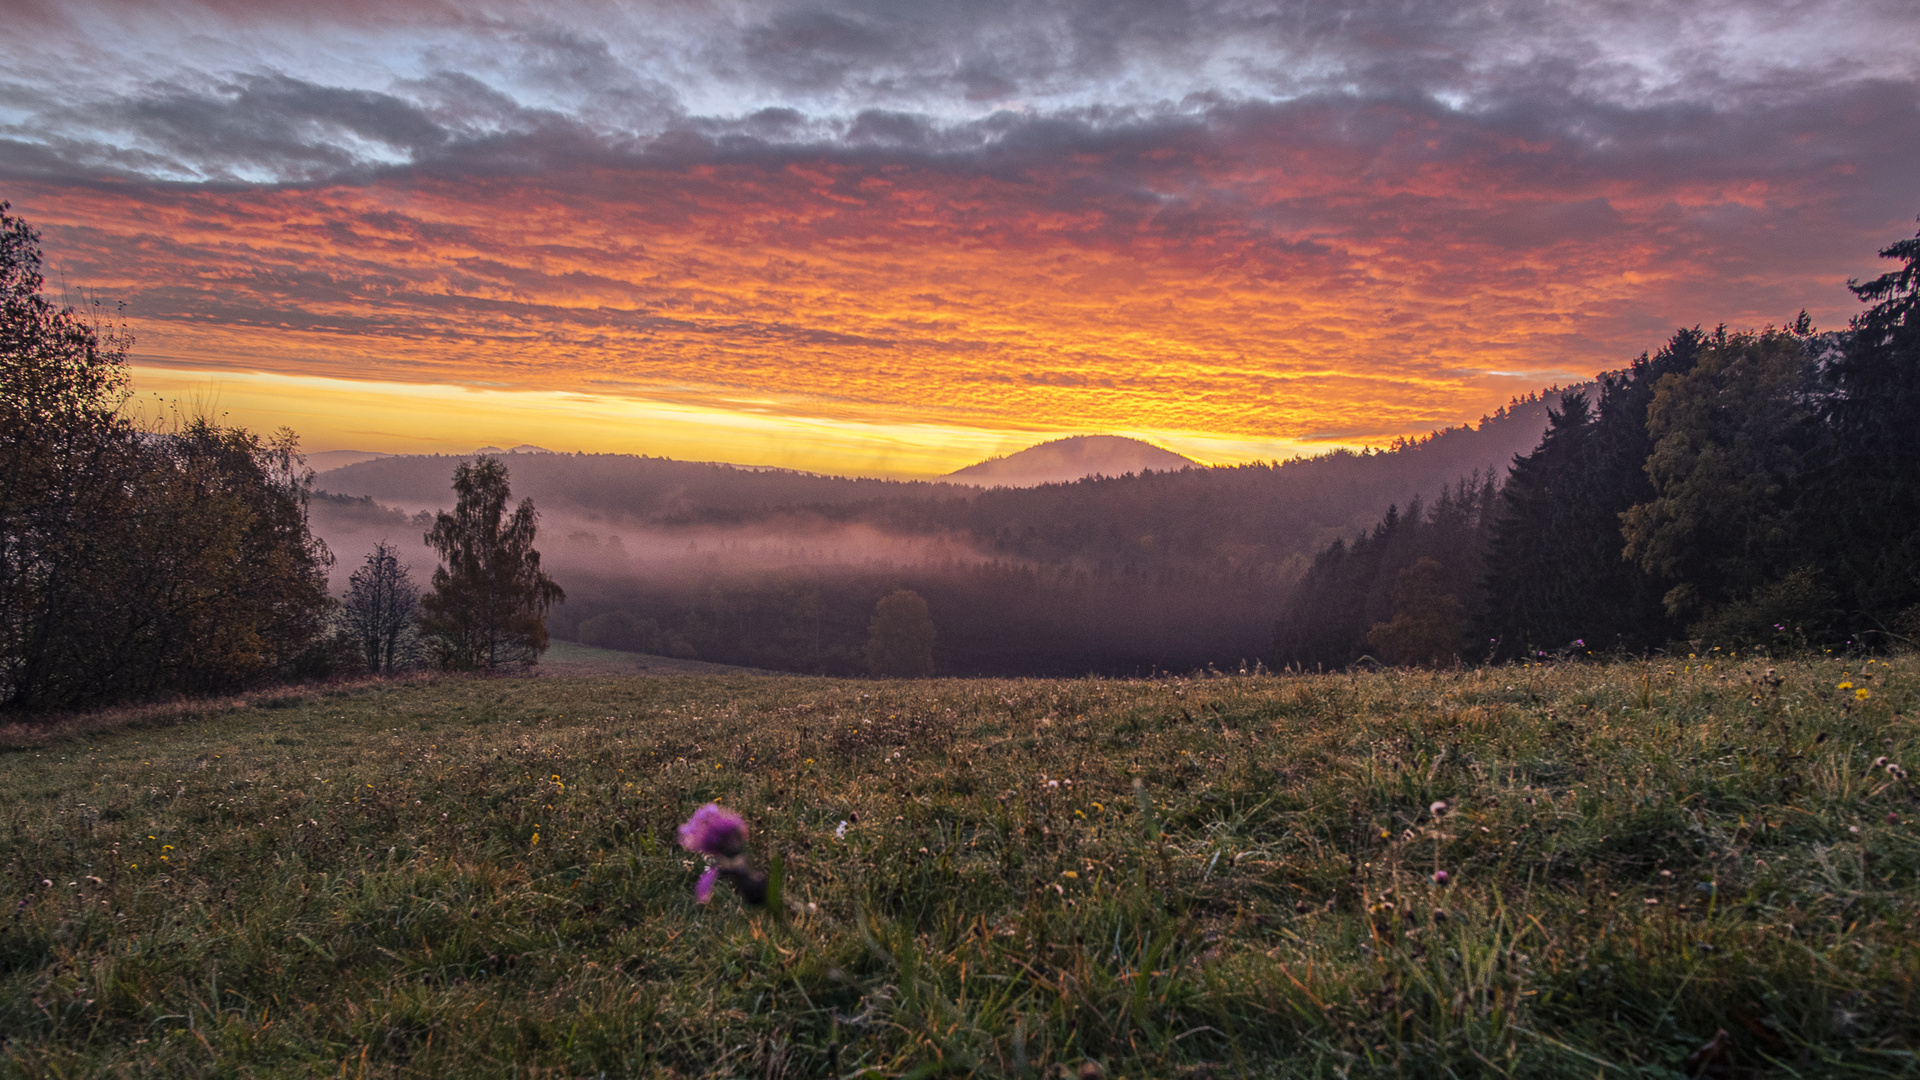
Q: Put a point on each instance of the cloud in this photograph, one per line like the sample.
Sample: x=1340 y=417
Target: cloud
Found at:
x=1258 y=219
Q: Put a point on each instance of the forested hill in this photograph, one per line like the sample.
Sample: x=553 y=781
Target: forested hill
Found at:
x=619 y=486
x=1266 y=516
x=1276 y=510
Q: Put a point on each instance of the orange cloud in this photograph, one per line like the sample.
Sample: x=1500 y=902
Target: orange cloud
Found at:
x=1297 y=276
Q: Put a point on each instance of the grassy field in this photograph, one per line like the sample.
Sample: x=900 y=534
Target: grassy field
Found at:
x=1225 y=876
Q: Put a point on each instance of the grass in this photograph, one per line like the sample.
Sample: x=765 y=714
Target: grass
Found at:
x=1227 y=876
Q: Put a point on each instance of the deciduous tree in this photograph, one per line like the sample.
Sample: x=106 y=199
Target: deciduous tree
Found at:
x=1428 y=622
x=380 y=608
x=1734 y=441
x=133 y=564
x=490 y=598
x=900 y=637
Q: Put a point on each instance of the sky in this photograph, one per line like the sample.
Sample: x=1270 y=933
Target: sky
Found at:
x=893 y=238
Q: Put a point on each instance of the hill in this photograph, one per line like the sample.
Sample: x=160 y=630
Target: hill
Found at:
x=1070 y=459
x=325 y=460
x=614 y=486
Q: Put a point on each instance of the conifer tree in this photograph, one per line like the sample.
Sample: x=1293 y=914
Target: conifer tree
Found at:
x=1869 y=497
x=1555 y=570
x=1353 y=592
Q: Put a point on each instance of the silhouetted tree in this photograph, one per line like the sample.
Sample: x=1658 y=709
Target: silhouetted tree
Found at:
x=380 y=608
x=490 y=597
x=900 y=637
x=65 y=456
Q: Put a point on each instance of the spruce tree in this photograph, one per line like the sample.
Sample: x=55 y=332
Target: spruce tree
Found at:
x=1869 y=496
x=1556 y=574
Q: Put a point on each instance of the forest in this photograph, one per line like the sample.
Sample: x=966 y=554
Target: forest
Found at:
x=1734 y=490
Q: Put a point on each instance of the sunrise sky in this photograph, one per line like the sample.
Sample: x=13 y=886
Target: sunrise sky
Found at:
x=896 y=237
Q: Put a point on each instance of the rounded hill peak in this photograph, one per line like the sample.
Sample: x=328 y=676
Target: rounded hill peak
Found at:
x=1069 y=459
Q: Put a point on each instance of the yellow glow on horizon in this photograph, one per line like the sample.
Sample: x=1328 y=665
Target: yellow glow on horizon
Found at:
x=403 y=418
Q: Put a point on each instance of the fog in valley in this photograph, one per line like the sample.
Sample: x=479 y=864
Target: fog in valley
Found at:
x=1121 y=573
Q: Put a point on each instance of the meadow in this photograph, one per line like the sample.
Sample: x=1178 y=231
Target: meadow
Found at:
x=1702 y=866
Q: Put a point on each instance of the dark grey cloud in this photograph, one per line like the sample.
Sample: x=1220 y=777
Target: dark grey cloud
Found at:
x=1354 y=118
x=635 y=70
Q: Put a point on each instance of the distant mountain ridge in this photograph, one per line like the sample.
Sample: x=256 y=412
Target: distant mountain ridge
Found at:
x=327 y=460
x=1065 y=460
x=1282 y=511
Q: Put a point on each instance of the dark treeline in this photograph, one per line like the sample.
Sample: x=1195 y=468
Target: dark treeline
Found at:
x=622 y=486
x=1733 y=489
x=1350 y=588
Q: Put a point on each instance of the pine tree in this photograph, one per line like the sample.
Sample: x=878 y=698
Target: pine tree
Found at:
x=1870 y=495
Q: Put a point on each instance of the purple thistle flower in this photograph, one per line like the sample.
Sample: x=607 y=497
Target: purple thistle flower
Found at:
x=1440 y=877
x=714 y=831
x=703 y=889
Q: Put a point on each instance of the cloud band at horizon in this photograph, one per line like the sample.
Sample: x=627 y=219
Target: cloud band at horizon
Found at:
x=868 y=237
